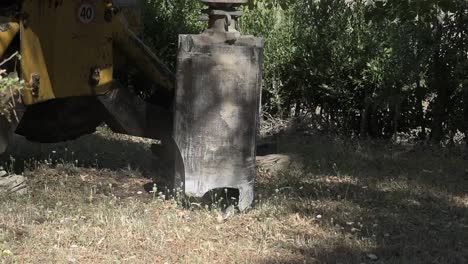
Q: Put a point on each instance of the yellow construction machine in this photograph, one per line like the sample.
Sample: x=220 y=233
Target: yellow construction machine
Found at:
x=73 y=52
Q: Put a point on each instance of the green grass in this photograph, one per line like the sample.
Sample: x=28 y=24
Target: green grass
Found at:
x=334 y=201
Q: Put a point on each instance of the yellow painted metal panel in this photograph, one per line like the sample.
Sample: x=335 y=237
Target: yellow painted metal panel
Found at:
x=62 y=42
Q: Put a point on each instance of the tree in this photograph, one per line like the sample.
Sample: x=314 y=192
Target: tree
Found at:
x=372 y=68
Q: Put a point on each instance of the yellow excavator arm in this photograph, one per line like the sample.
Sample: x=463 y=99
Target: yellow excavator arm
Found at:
x=70 y=47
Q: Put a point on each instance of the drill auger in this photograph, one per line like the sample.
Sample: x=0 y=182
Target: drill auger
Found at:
x=217 y=105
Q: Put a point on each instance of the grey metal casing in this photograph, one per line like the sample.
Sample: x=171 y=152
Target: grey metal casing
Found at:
x=217 y=112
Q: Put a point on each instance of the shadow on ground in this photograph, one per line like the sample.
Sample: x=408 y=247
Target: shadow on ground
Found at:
x=382 y=203
x=102 y=150
x=408 y=204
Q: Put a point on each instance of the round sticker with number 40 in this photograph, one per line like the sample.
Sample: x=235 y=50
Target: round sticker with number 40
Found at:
x=86 y=13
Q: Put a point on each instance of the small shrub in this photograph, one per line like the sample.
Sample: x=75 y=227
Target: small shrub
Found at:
x=10 y=86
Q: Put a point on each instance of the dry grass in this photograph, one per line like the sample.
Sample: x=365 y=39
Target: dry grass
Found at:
x=337 y=202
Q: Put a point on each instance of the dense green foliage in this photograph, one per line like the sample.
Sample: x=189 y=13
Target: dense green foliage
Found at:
x=366 y=67
x=10 y=86
x=164 y=20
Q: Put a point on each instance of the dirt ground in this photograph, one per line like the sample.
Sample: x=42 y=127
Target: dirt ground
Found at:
x=319 y=200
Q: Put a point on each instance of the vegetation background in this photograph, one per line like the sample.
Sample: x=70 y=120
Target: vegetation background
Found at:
x=364 y=68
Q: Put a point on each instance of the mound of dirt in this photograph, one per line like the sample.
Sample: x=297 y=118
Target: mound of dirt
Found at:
x=11 y=183
x=274 y=163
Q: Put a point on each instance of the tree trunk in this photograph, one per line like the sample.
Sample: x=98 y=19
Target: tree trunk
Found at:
x=465 y=115
x=364 y=127
x=396 y=117
x=420 y=109
x=464 y=65
x=438 y=119
x=440 y=85
x=374 y=128
x=297 y=109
